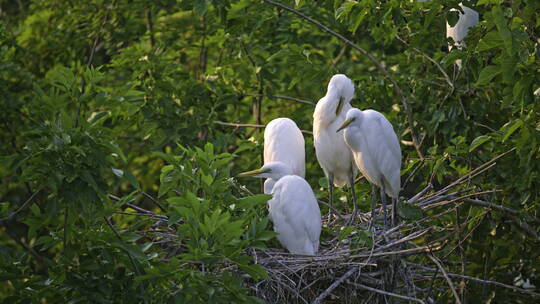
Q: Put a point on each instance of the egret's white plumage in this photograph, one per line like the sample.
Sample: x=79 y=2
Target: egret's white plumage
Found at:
x=461 y=28
x=375 y=149
x=293 y=209
x=332 y=152
x=284 y=142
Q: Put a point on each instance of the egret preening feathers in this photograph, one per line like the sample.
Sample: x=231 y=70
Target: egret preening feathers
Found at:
x=293 y=208
x=376 y=152
x=332 y=152
x=284 y=142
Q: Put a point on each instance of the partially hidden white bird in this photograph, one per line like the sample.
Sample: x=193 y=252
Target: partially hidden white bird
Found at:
x=332 y=152
x=284 y=142
x=459 y=31
x=293 y=208
x=377 y=154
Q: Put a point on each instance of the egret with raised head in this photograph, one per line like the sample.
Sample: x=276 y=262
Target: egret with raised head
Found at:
x=332 y=152
x=377 y=154
x=293 y=208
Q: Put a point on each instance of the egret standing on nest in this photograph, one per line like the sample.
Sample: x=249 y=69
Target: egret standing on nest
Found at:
x=284 y=142
x=332 y=152
x=293 y=208
x=377 y=154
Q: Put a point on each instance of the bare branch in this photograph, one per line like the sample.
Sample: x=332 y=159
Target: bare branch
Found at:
x=230 y=124
x=441 y=268
x=284 y=97
x=333 y=286
x=488 y=282
x=25 y=205
x=391 y=294
x=446 y=77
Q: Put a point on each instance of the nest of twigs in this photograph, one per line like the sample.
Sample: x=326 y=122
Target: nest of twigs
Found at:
x=382 y=270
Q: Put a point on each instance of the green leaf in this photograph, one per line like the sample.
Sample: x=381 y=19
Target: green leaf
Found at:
x=116 y=149
x=510 y=130
x=478 y=141
x=409 y=211
x=97 y=117
x=487 y=74
x=200 y=7
x=488 y=2
x=257 y=272
x=323 y=182
x=490 y=40
x=452 y=17
x=131 y=236
x=132 y=180
x=253 y=201
x=508 y=68
x=504 y=31
x=266 y=235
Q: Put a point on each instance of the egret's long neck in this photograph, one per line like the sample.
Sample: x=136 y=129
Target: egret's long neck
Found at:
x=325 y=110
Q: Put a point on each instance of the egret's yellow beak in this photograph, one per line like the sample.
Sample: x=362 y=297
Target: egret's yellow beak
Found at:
x=339 y=106
x=253 y=173
x=345 y=124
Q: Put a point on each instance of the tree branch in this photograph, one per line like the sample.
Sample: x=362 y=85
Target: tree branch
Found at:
x=373 y=60
x=454 y=292
x=387 y=293
x=230 y=124
x=285 y=97
x=25 y=205
x=487 y=282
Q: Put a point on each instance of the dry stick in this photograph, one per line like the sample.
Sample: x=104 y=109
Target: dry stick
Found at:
x=409 y=237
x=391 y=294
x=373 y=60
x=446 y=277
x=473 y=173
x=240 y=125
x=487 y=282
x=448 y=80
x=415 y=198
x=493 y=206
x=283 y=97
x=420 y=165
x=89 y=62
x=154 y=200
x=135 y=268
x=424 y=202
x=400 y=252
x=142 y=214
x=443 y=203
x=24 y=206
x=334 y=285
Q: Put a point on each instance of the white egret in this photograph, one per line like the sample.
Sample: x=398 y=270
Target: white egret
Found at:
x=293 y=208
x=284 y=142
x=332 y=152
x=467 y=19
x=376 y=152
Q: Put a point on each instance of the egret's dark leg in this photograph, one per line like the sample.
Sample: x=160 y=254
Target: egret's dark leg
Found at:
x=383 y=199
x=394 y=212
x=373 y=196
x=351 y=184
x=331 y=199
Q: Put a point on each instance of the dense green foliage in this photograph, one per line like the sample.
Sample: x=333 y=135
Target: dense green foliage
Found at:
x=108 y=103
